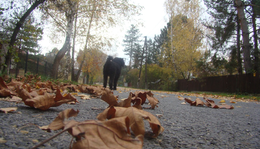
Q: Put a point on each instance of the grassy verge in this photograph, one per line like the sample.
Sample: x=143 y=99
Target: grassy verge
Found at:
x=255 y=97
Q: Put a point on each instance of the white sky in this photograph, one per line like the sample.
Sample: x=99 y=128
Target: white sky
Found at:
x=153 y=17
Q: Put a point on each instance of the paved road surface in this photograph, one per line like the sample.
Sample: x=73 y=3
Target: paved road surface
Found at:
x=185 y=126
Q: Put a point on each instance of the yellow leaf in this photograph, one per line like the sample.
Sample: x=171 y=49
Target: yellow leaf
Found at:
x=222 y=101
x=74 y=94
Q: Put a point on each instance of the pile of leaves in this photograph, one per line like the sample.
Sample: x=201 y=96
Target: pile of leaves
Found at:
x=111 y=130
x=43 y=95
x=117 y=121
x=137 y=99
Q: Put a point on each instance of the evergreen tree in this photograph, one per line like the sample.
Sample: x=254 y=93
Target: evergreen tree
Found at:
x=230 y=17
x=132 y=44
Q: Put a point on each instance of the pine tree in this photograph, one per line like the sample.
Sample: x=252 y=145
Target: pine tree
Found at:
x=132 y=43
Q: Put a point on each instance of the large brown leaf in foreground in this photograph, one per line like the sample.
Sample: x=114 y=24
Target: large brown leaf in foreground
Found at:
x=111 y=134
x=59 y=121
x=136 y=117
x=44 y=102
x=109 y=97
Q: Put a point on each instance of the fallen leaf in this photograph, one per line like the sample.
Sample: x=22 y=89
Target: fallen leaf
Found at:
x=137 y=103
x=10 y=109
x=199 y=102
x=15 y=99
x=24 y=131
x=159 y=115
x=114 y=133
x=213 y=105
x=83 y=96
x=222 y=101
x=141 y=95
x=180 y=98
x=153 y=101
x=44 y=102
x=136 y=117
x=2 y=140
x=22 y=93
x=35 y=141
x=126 y=102
x=58 y=122
x=109 y=97
x=233 y=102
x=4 y=92
x=2 y=83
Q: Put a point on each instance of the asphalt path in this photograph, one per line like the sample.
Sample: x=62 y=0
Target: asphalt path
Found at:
x=185 y=126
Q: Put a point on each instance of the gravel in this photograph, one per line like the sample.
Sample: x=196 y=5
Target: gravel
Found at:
x=185 y=126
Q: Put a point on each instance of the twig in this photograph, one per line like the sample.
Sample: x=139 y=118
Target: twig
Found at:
x=47 y=140
x=27 y=125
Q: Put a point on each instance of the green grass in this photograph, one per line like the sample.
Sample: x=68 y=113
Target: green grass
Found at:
x=255 y=97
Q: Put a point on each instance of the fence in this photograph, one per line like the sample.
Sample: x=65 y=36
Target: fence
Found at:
x=246 y=83
x=34 y=64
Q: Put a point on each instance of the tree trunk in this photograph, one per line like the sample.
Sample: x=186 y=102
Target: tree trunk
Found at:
x=256 y=51
x=73 y=47
x=239 y=62
x=245 y=33
x=86 y=44
x=19 y=24
x=79 y=71
x=66 y=46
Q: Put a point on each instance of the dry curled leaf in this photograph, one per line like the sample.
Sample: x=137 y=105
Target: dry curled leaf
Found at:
x=109 y=97
x=153 y=101
x=44 y=102
x=126 y=102
x=141 y=95
x=209 y=103
x=136 y=117
x=111 y=134
x=84 y=96
x=59 y=121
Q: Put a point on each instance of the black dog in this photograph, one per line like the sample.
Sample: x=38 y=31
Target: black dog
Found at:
x=112 y=68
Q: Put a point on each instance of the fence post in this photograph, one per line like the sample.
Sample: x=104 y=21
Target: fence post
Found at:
x=37 y=67
x=26 y=60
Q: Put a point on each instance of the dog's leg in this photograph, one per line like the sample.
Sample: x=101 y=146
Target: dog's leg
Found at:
x=111 y=79
x=105 y=81
x=116 y=79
